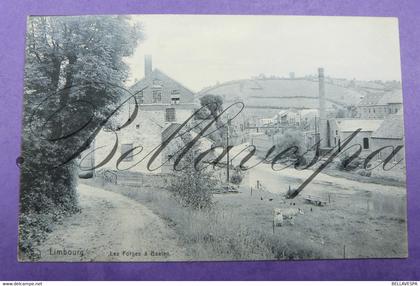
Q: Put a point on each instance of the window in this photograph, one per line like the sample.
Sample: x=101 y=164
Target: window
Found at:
x=365 y=143
x=126 y=148
x=138 y=126
x=139 y=97
x=157 y=95
x=174 y=99
x=336 y=132
x=170 y=115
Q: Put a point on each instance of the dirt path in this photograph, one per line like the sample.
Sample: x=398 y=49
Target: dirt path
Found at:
x=111 y=227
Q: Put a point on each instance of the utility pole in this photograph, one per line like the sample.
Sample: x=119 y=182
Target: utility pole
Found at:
x=227 y=153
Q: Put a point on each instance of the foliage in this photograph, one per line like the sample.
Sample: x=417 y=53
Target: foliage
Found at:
x=73 y=68
x=291 y=138
x=236 y=177
x=192 y=186
x=352 y=111
x=222 y=233
x=364 y=172
x=350 y=165
x=340 y=113
x=214 y=103
x=202 y=114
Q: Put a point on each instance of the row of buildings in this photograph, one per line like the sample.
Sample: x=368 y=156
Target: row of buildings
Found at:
x=380 y=117
x=378 y=113
x=165 y=103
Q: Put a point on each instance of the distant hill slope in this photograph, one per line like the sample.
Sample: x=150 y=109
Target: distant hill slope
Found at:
x=282 y=93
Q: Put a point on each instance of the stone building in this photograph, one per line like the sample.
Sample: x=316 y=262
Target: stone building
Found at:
x=163 y=105
x=380 y=105
x=389 y=133
x=339 y=129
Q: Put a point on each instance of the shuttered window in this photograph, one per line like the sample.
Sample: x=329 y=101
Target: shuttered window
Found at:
x=170 y=115
x=365 y=143
x=157 y=96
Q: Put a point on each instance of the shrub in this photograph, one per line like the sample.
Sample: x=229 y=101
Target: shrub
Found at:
x=192 y=187
x=349 y=165
x=289 y=139
x=237 y=177
x=364 y=172
x=301 y=162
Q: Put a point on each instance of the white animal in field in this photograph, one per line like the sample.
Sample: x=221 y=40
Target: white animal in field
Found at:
x=291 y=212
x=279 y=215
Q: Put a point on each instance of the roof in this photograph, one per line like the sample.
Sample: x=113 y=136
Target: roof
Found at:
x=371 y=99
x=351 y=125
x=156 y=72
x=391 y=128
x=394 y=96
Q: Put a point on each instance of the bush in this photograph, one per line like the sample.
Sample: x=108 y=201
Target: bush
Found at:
x=364 y=172
x=237 y=177
x=347 y=165
x=301 y=162
x=289 y=139
x=193 y=187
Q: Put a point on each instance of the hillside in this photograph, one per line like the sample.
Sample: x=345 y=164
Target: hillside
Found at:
x=282 y=93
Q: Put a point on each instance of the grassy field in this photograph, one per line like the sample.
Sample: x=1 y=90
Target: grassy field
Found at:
x=240 y=225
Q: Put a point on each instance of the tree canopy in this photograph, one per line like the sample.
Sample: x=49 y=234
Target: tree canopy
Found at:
x=214 y=103
x=74 y=77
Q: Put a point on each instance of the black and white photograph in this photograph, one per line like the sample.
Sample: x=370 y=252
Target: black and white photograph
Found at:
x=212 y=138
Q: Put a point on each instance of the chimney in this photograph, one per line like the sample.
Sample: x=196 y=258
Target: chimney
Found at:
x=147 y=66
x=323 y=134
x=291 y=75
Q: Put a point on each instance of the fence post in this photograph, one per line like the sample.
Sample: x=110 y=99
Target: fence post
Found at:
x=273 y=224
x=344 y=251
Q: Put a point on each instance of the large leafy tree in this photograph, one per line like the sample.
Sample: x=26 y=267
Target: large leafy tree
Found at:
x=214 y=103
x=74 y=74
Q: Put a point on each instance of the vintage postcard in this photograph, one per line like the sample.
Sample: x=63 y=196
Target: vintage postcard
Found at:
x=212 y=138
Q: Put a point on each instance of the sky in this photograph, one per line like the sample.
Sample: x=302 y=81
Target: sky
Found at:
x=202 y=50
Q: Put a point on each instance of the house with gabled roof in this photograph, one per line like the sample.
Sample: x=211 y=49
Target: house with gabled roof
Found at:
x=380 y=104
x=339 y=129
x=389 y=133
x=163 y=104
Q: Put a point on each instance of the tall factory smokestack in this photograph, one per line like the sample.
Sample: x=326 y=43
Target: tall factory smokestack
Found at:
x=147 y=66
x=323 y=134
